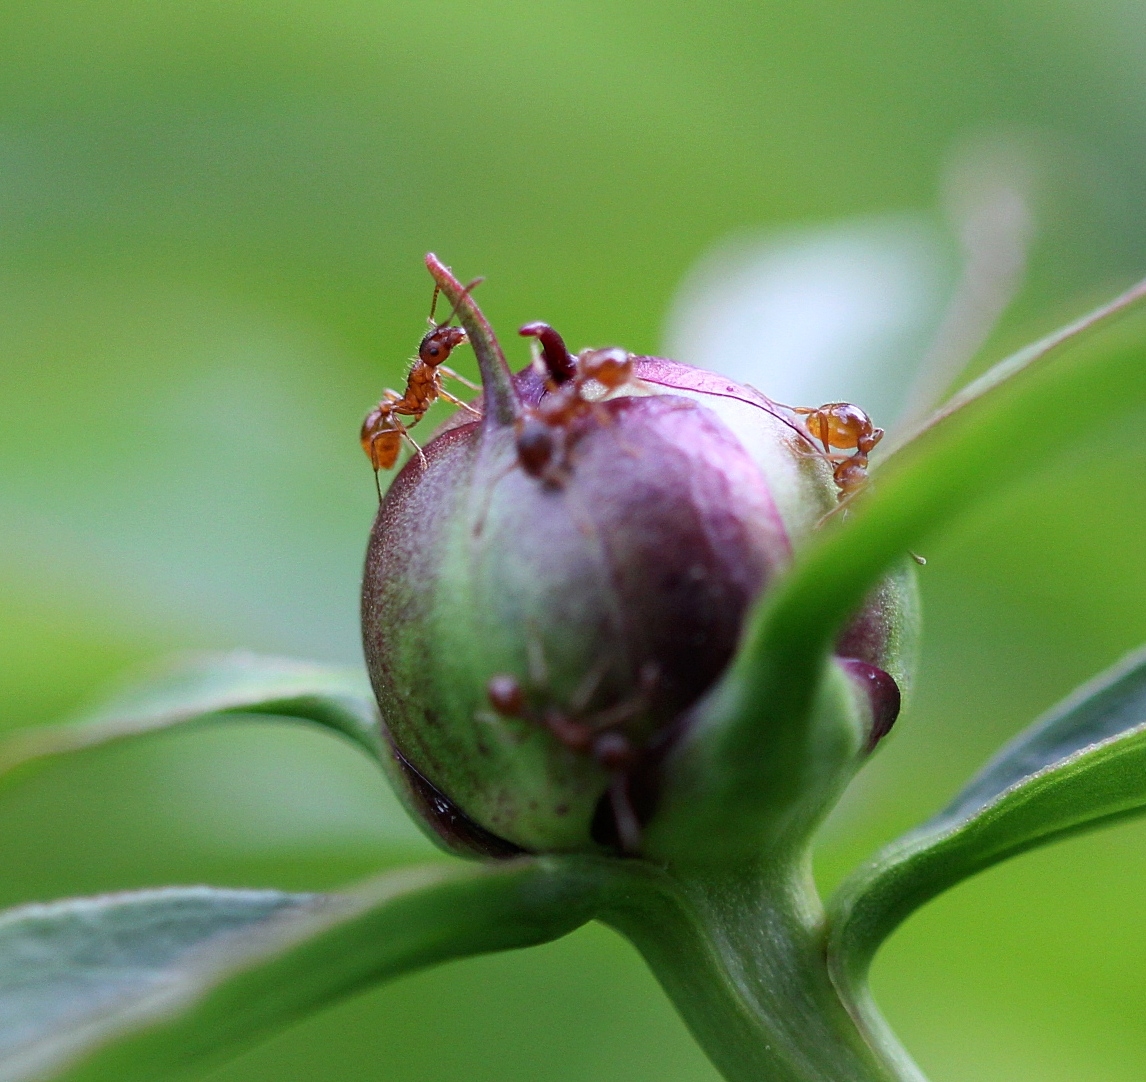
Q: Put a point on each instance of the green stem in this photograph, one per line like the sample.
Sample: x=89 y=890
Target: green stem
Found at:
x=501 y=401
x=1031 y=355
x=742 y=956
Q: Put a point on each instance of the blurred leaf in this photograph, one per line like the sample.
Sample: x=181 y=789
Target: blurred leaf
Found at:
x=983 y=439
x=157 y=983
x=1027 y=361
x=841 y=312
x=988 y=196
x=204 y=686
x=1085 y=763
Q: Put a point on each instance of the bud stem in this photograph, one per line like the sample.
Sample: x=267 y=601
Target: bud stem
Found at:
x=741 y=955
x=501 y=402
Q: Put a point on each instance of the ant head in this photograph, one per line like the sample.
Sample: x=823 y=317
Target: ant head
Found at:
x=437 y=345
x=868 y=440
x=441 y=339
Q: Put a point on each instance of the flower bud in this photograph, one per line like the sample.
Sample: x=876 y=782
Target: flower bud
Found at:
x=548 y=595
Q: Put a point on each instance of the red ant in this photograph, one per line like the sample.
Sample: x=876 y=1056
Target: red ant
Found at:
x=842 y=425
x=596 y=735
x=382 y=431
x=543 y=429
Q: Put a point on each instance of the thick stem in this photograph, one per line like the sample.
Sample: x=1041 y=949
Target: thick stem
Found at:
x=741 y=954
x=501 y=402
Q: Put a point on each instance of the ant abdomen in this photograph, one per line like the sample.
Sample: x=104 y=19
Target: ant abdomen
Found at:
x=839 y=424
x=506 y=695
x=536 y=446
x=612 y=367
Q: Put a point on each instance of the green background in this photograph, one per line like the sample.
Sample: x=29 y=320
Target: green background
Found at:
x=212 y=217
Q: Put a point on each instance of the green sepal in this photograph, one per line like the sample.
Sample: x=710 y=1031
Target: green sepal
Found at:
x=1082 y=765
x=980 y=442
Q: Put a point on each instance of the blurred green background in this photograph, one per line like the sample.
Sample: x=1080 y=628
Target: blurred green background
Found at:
x=212 y=217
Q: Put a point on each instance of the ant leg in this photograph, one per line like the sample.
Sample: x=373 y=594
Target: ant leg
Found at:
x=587 y=687
x=479 y=522
x=476 y=282
x=628 y=825
x=633 y=706
x=458 y=402
x=404 y=431
x=773 y=404
x=817 y=431
x=622 y=712
x=535 y=653
x=374 y=461
x=413 y=443
x=461 y=379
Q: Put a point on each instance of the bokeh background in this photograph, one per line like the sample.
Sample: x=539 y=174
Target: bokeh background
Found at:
x=212 y=216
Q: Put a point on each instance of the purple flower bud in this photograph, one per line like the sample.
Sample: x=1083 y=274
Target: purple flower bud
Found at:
x=550 y=593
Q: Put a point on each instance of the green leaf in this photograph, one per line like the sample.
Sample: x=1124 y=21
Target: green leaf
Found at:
x=154 y=984
x=1081 y=765
x=985 y=439
x=989 y=436
x=208 y=685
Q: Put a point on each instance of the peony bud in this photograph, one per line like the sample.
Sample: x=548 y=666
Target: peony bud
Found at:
x=548 y=595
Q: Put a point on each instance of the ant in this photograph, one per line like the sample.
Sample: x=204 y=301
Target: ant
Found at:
x=382 y=431
x=842 y=425
x=543 y=429
x=597 y=735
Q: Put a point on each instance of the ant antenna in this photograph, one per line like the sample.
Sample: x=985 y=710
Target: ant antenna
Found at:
x=434 y=303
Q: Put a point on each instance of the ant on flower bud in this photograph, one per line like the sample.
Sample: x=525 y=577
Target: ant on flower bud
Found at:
x=622 y=513
x=383 y=431
x=599 y=736
x=543 y=436
x=842 y=425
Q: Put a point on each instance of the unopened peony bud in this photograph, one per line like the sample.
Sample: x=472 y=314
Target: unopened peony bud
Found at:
x=548 y=595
